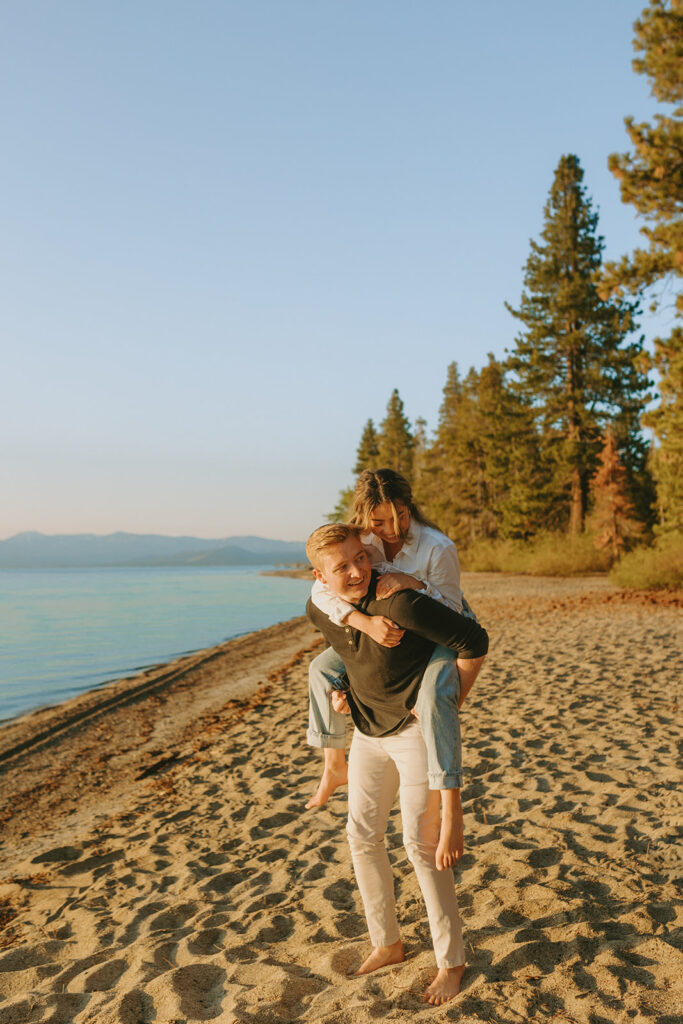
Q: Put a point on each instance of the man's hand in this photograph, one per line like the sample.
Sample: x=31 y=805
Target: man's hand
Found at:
x=391 y=582
x=339 y=702
x=382 y=630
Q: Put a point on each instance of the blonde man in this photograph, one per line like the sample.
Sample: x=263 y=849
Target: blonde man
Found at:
x=388 y=753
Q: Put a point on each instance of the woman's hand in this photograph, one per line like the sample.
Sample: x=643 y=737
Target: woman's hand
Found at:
x=391 y=582
x=339 y=702
x=382 y=630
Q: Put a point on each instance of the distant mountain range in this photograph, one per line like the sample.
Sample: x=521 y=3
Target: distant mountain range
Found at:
x=84 y=550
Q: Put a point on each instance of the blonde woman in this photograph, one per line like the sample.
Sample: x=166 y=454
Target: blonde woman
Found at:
x=410 y=552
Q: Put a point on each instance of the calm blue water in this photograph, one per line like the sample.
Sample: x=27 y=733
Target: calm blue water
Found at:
x=63 y=631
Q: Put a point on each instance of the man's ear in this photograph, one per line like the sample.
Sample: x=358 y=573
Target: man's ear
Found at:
x=319 y=576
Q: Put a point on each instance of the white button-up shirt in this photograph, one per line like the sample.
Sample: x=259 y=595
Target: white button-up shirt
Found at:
x=426 y=554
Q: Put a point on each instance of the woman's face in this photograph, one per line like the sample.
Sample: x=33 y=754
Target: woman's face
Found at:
x=382 y=521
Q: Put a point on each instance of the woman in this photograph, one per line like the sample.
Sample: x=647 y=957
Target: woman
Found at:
x=410 y=552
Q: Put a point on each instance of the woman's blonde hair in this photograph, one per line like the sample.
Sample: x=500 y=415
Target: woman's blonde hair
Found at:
x=384 y=486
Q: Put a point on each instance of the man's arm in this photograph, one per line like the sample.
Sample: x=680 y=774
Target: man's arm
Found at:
x=434 y=621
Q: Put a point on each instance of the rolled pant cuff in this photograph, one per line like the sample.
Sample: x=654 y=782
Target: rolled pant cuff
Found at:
x=445 y=780
x=324 y=739
x=447 y=964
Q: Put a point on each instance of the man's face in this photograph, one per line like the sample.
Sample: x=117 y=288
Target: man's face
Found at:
x=345 y=568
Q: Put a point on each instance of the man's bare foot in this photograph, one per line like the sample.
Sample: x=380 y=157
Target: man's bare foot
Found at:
x=450 y=847
x=445 y=986
x=382 y=956
x=332 y=778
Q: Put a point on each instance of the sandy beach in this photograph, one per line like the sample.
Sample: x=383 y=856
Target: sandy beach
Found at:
x=158 y=865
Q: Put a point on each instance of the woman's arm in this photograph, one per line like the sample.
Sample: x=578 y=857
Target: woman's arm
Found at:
x=336 y=610
x=442 y=583
x=381 y=629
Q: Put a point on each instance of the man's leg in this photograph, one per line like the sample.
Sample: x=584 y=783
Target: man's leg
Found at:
x=420 y=816
x=373 y=782
x=437 y=709
x=326 y=728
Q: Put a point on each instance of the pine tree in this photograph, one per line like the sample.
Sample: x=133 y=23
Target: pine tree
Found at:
x=342 y=510
x=667 y=422
x=571 y=363
x=420 y=447
x=514 y=483
x=613 y=517
x=651 y=179
x=367 y=454
x=395 y=441
x=445 y=489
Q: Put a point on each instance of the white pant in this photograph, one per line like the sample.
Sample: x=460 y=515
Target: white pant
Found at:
x=378 y=767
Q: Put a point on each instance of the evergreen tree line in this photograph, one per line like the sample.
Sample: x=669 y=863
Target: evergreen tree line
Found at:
x=550 y=438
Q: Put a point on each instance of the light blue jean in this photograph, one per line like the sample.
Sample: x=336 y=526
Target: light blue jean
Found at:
x=437 y=708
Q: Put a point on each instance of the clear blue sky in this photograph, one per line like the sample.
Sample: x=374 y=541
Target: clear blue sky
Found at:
x=229 y=229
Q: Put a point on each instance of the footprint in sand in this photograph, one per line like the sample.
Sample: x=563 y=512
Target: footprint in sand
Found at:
x=206 y=942
x=136 y=1008
x=20 y=1012
x=173 y=919
x=340 y=894
x=66 y=1006
x=104 y=977
x=60 y=855
x=200 y=987
x=225 y=882
x=98 y=864
x=280 y=928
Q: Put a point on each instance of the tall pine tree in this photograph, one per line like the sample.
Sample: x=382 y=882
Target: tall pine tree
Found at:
x=445 y=483
x=571 y=361
x=651 y=179
x=667 y=422
x=482 y=476
x=367 y=454
x=613 y=517
x=515 y=488
x=395 y=441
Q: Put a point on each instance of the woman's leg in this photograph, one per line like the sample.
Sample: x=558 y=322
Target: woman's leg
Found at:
x=437 y=709
x=326 y=727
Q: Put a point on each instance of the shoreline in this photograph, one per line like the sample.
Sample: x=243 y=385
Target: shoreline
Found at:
x=209 y=682
x=158 y=865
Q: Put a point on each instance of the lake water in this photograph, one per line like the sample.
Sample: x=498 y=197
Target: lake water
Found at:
x=63 y=631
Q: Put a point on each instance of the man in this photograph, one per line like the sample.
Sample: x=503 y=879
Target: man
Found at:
x=388 y=753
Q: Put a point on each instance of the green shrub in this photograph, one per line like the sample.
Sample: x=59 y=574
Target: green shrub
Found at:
x=654 y=567
x=549 y=554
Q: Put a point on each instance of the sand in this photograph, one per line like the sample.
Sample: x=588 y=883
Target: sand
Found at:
x=158 y=866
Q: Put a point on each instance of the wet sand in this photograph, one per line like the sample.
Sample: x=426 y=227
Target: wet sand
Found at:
x=158 y=866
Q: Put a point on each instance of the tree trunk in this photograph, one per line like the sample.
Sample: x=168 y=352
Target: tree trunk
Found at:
x=577 y=506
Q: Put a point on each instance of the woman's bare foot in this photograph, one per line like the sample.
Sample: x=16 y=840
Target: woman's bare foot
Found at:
x=445 y=986
x=382 y=956
x=450 y=847
x=335 y=773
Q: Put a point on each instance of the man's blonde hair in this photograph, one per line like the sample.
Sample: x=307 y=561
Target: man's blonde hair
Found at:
x=326 y=537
